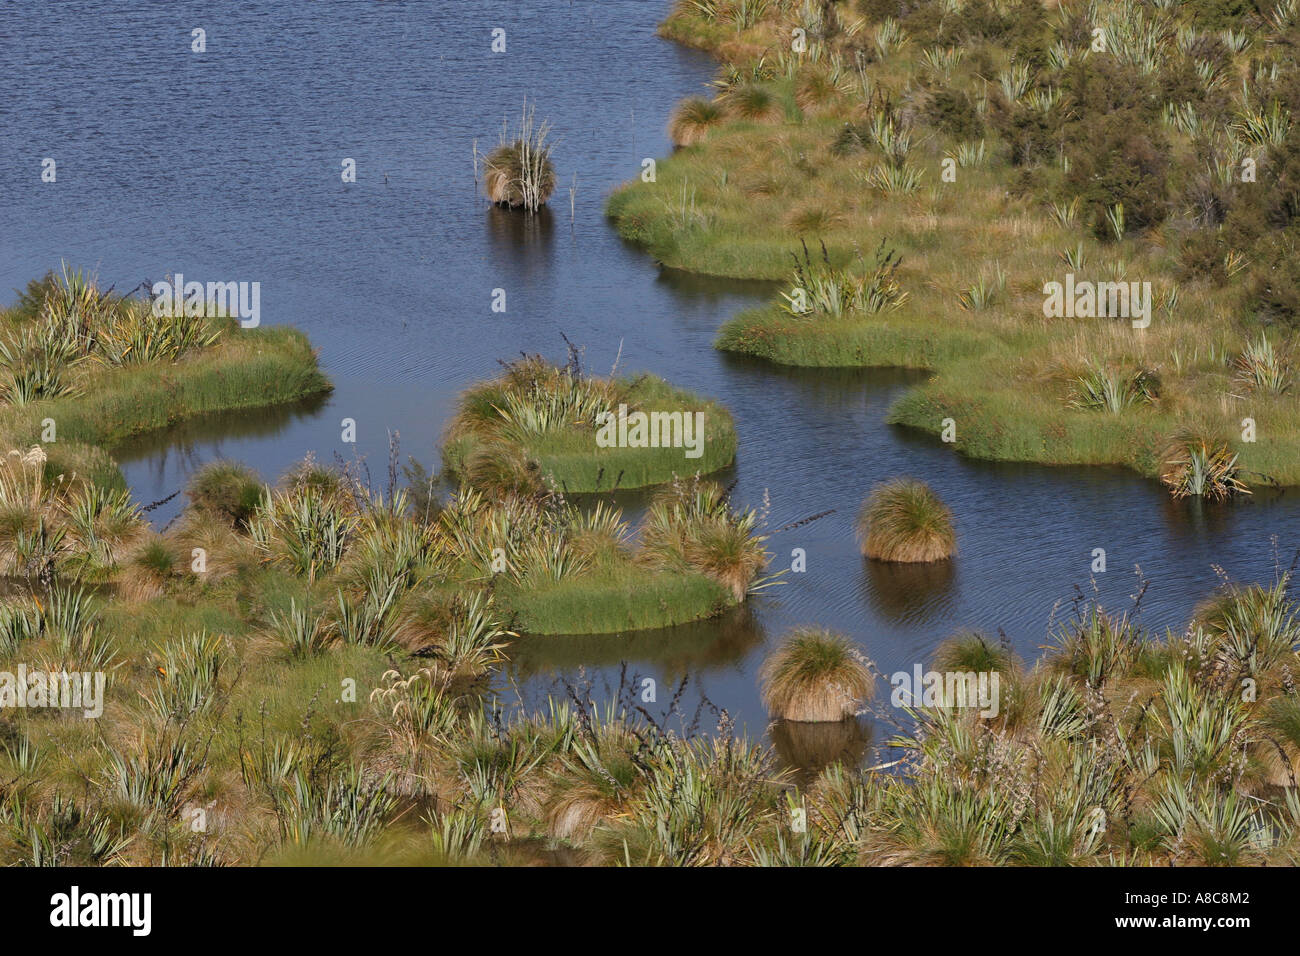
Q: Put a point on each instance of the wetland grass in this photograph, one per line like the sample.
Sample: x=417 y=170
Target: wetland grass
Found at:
x=905 y=521
x=220 y=689
x=815 y=676
x=106 y=369
x=544 y=427
x=519 y=173
x=1226 y=311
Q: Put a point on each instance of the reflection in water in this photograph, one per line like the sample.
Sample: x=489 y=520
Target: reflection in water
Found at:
x=197 y=440
x=909 y=593
x=808 y=748
x=1192 y=518
x=520 y=234
x=694 y=287
x=673 y=652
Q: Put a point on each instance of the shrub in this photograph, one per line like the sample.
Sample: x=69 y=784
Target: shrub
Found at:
x=952 y=112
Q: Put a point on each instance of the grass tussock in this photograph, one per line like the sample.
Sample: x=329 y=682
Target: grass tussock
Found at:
x=815 y=676
x=520 y=173
x=904 y=521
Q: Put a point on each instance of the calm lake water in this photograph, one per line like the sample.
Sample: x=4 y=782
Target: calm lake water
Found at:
x=226 y=166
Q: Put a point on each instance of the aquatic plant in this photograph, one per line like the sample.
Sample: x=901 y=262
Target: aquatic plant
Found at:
x=474 y=639
x=541 y=427
x=815 y=675
x=519 y=173
x=904 y=520
x=1195 y=465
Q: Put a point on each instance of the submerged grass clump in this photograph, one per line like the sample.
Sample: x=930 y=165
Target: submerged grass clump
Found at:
x=1196 y=465
x=904 y=521
x=519 y=173
x=815 y=676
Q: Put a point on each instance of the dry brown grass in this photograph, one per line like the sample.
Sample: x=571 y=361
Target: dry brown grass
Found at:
x=904 y=520
x=815 y=675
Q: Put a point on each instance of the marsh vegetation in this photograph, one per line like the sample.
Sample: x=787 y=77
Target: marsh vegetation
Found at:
x=990 y=149
x=546 y=427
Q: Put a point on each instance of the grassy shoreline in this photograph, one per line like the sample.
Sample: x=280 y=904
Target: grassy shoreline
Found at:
x=908 y=130
x=266 y=367
x=84 y=371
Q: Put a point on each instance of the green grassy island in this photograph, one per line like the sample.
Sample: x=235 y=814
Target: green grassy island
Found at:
x=540 y=426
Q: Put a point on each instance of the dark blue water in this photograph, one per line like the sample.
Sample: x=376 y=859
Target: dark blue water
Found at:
x=226 y=165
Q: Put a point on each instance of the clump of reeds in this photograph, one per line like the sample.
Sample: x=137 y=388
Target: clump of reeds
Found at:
x=698 y=802
x=1112 y=390
x=52 y=525
x=597 y=779
x=904 y=520
x=815 y=675
x=73 y=321
x=818 y=288
x=1096 y=644
x=1262 y=368
x=519 y=173
x=691 y=524
x=523 y=539
x=305 y=526
x=1197 y=465
x=1251 y=628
